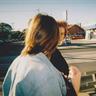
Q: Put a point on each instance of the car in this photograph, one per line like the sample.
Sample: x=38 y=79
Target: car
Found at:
x=67 y=40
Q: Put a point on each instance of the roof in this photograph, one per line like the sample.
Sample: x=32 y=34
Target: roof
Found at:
x=75 y=29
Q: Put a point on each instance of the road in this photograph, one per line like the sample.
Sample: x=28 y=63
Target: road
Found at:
x=84 y=58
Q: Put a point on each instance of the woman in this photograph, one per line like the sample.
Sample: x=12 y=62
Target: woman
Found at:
x=57 y=59
x=32 y=73
x=60 y=63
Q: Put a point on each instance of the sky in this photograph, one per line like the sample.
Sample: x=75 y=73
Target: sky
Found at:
x=18 y=12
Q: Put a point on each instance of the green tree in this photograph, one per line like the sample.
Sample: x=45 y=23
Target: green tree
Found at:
x=5 y=31
x=17 y=35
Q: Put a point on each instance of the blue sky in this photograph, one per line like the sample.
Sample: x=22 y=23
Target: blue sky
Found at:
x=18 y=12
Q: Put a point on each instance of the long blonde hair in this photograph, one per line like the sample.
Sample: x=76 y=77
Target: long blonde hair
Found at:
x=42 y=35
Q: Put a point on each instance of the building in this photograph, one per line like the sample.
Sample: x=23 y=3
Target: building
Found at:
x=90 y=32
x=76 y=32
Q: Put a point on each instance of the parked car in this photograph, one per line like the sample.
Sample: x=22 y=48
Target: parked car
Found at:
x=67 y=40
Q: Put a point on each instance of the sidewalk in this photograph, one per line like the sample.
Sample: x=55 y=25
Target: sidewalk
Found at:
x=82 y=43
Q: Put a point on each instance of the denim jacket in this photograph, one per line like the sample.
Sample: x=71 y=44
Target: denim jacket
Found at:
x=33 y=75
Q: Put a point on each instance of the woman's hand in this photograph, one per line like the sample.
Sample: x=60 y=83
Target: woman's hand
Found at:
x=75 y=76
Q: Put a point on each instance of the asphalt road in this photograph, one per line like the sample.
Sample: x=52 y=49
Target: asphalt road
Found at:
x=84 y=58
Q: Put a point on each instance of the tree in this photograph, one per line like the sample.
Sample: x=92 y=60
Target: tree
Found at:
x=17 y=35
x=5 y=30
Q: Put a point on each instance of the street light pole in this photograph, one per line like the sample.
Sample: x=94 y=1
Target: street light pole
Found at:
x=67 y=37
x=66 y=16
x=66 y=32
